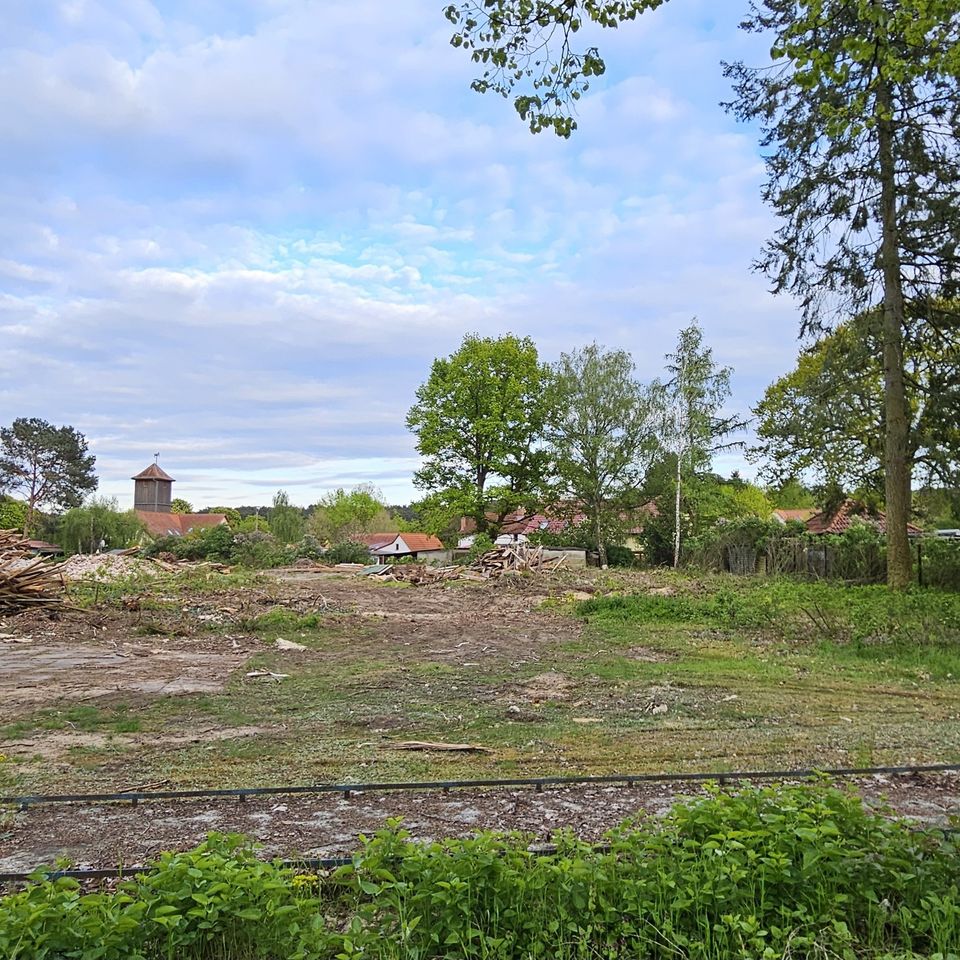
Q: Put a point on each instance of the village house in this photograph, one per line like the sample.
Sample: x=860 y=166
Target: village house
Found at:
x=418 y=546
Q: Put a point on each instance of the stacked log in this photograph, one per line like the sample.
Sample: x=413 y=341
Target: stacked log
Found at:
x=26 y=582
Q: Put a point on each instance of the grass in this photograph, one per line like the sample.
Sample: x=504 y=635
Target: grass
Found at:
x=717 y=674
x=802 y=872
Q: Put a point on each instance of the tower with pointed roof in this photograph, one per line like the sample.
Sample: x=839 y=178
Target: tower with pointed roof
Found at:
x=152 y=490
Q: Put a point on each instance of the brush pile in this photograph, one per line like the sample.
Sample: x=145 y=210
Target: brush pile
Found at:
x=26 y=581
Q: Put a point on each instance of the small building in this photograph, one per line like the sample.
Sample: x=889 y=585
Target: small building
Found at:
x=419 y=546
x=152 y=499
x=794 y=514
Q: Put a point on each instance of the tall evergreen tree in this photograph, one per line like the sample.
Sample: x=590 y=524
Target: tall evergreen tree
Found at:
x=861 y=117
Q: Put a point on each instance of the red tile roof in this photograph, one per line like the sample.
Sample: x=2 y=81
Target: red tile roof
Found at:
x=420 y=542
x=849 y=512
x=177 y=524
x=153 y=472
x=416 y=542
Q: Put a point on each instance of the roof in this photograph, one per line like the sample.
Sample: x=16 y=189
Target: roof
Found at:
x=416 y=542
x=153 y=472
x=520 y=522
x=177 y=524
x=419 y=542
x=850 y=512
x=794 y=514
x=43 y=546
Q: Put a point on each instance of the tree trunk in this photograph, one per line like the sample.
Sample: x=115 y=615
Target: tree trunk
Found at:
x=896 y=459
x=676 y=519
x=601 y=546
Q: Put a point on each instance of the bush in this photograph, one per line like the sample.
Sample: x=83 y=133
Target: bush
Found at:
x=349 y=551
x=209 y=543
x=618 y=556
x=482 y=543
x=259 y=550
x=309 y=548
x=802 y=872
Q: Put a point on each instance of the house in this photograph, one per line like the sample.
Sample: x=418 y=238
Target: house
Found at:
x=851 y=512
x=152 y=497
x=419 y=546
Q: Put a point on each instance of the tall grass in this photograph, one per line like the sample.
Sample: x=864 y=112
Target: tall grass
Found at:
x=776 y=872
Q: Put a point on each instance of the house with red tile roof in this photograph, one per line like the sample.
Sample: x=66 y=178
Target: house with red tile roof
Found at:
x=420 y=546
x=794 y=514
x=849 y=513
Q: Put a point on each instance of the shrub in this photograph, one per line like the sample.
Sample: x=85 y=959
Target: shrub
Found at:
x=349 y=551
x=309 y=548
x=259 y=550
x=482 y=543
x=618 y=556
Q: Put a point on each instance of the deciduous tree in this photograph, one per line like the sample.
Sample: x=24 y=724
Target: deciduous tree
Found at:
x=49 y=466
x=286 y=521
x=179 y=505
x=601 y=436
x=479 y=421
x=341 y=515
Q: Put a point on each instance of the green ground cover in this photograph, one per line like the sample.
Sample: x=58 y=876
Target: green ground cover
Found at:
x=802 y=872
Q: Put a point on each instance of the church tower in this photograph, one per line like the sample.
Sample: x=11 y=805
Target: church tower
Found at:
x=152 y=490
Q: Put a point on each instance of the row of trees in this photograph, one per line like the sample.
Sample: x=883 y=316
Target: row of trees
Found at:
x=501 y=431
x=859 y=113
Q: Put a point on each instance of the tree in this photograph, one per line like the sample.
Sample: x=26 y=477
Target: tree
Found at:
x=98 y=525
x=479 y=421
x=825 y=418
x=341 y=515
x=48 y=465
x=600 y=435
x=527 y=46
x=286 y=522
x=179 y=505
x=231 y=513
x=861 y=119
x=690 y=403
x=13 y=513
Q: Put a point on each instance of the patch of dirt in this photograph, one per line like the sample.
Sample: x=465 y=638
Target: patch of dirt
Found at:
x=53 y=744
x=549 y=686
x=649 y=655
x=102 y=835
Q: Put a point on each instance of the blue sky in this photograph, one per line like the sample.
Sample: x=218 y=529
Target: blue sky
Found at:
x=238 y=231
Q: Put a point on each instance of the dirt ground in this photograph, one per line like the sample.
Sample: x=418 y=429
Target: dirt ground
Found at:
x=183 y=686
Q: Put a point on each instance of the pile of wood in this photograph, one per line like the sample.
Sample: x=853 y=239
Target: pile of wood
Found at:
x=521 y=558
x=26 y=582
x=494 y=563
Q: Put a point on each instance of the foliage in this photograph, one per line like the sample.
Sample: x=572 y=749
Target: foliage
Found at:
x=286 y=522
x=619 y=556
x=49 y=465
x=825 y=418
x=231 y=513
x=479 y=421
x=482 y=543
x=779 y=871
x=791 y=494
x=527 y=46
x=309 y=548
x=259 y=551
x=601 y=435
x=342 y=515
x=13 y=513
x=860 y=121
x=348 y=551
x=690 y=401
x=179 y=505
x=868 y=618
x=98 y=525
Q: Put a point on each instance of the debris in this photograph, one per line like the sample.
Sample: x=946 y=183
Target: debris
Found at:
x=24 y=581
x=659 y=709
x=267 y=674
x=588 y=720
x=282 y=644
x=446 y=747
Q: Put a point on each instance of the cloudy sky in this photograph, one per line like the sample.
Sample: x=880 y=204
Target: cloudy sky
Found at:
x=238 y=231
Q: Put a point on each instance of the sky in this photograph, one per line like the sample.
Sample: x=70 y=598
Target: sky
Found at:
x=237 y=232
